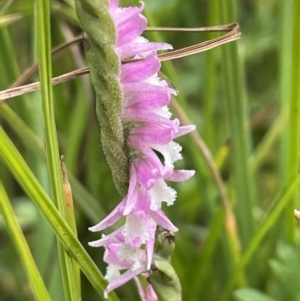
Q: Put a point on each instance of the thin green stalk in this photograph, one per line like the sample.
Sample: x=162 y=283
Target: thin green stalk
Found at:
x=210 y=130
x=294 y=125
x=44 y=238
x=237 y=105
x=45 y=72
x=281 y=200
x=286 y=27
x=38 y=287
x=232 y=241
x=16 y=164
x=262 y=150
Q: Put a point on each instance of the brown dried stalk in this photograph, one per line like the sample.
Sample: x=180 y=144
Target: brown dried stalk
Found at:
x=230 y=36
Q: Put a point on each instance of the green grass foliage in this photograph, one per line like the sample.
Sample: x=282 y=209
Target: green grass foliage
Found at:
x=240 y=243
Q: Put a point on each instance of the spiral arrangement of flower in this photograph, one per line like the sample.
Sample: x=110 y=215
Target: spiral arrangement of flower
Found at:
x=148 y=135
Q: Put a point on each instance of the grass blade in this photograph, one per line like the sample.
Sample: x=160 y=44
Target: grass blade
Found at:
x=38 y=287
x=236 y=103
x=294 y=124
x=45 y=71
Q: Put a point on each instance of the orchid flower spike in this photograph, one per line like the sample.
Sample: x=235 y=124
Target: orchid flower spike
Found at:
x=147 y=130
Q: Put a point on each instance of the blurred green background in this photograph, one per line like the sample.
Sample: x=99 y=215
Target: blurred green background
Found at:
x=239 y=97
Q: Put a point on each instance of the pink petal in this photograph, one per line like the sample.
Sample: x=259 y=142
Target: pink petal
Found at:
x=146 y=96
x=127 y=14
x=146 y=101
x=132 y=194
x=112 y=218
x=147 y=173
x=163 y=221
x=140 y=70
x=132 y=49
x=128 y=275
x=150 y=244
x=131 y=115
x=153 y=133
x=113 y=237
x=147 y=88
x=185 y=130
x=142 y=208
x=127 y=31
x=180 y=175
x=150 y=294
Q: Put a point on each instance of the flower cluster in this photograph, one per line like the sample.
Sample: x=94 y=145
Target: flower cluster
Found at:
x=150 y=131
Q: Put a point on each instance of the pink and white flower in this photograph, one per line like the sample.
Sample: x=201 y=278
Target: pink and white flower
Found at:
x=146 y=116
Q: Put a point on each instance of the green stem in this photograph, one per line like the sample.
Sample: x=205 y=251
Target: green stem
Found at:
x=236 y=103
x=286 y=26
x=294 y=125
x=45 y=72
x=267 y=142
x=22 y=248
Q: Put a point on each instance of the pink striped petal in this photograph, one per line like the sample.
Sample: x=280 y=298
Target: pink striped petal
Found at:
x=153 y=133
x=127 y=14
x=112 y=238
x=150 y=245
x=128 y=88
x=163 y=221
x=130 y=24
x=183 y=130
x=112 y=218
x=180 y=175
x=132 y=194
x=140 y=70
x=131 y=115
x=134 y=48
x=142 y=208
x=125 y=277
x=147 y=173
